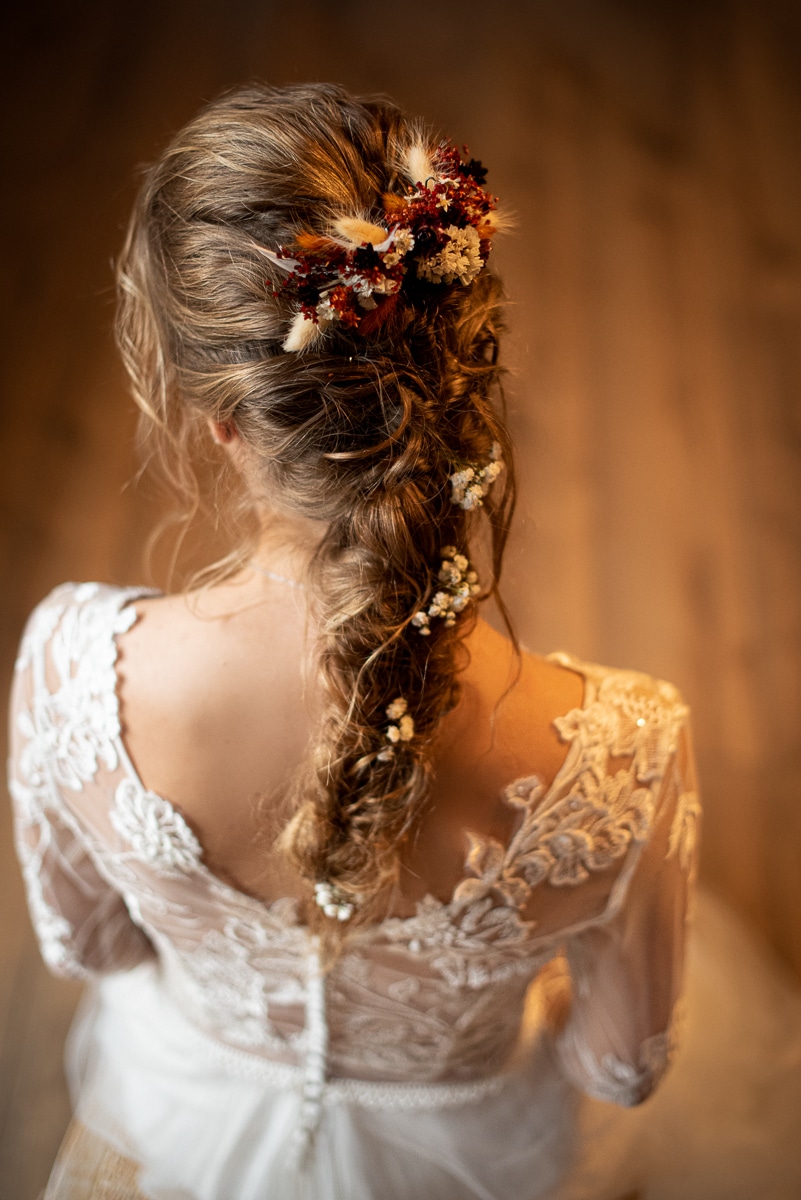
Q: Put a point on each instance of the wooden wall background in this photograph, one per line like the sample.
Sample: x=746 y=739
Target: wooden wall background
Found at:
x=652 y=154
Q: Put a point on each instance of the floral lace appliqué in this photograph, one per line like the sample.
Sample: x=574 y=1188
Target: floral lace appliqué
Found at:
x=684 y=830
x=587 y=830
x=629 y=715
x=74 y=726
x=157 y=834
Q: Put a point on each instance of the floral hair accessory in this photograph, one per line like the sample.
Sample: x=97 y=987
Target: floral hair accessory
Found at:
x=401 y=730
x=333 y=901
x=438 y=232
x=471 y=484
x=460 y=585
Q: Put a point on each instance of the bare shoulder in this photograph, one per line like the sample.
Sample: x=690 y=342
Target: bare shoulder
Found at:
x=206 y=647
x=503 y=728
x=169 y=648
x=530 y=682
x=211 y=690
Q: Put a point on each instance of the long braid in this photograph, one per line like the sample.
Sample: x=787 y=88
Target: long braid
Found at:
x=362 y=432
x=377 y=568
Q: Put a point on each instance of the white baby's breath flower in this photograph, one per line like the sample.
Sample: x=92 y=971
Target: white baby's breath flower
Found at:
x=386 y=286
x=460 y=479
x=460 y=586
x=440 y=603
x=422 y=621
x=403 y=731
x=326 y=312
x=470 y=484
x=406 y=730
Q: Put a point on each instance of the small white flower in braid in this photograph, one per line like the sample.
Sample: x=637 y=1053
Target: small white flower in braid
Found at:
x=471 y=483
x=460 y=586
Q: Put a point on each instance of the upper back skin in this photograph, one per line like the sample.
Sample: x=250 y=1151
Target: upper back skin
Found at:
x=218 y=708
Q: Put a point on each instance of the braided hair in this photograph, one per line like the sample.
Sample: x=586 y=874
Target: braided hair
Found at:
x=363 y=432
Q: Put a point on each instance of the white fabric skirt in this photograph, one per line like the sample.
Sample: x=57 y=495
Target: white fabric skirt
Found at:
x=211 y=1123
x=206 y=1123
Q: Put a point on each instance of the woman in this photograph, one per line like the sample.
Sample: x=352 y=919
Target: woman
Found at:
x=321 y=837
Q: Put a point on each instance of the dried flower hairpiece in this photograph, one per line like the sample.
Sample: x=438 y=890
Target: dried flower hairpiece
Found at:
x=471 y=483
x=438 y=232
x=460 y=585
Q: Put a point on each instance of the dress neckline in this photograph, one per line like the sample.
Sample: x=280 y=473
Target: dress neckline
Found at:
x=128 y=598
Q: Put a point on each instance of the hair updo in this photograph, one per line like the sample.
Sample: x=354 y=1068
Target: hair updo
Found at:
x=360 y=431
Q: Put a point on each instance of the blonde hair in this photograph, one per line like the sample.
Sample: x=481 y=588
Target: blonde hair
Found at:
x=362 y=432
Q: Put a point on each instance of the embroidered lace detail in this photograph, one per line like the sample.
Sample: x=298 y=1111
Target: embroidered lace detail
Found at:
x=631 y=715
x=33 y=838
x=587 y=830
x=362 y=1092
x=75 y=727
x=53 y=930
x=684 y=830
x=42 y=625
x=155 y=830
x=469 y=945
x=245 y=981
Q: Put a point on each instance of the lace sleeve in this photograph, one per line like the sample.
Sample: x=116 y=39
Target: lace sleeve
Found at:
x=626 y=968
x=82 y=924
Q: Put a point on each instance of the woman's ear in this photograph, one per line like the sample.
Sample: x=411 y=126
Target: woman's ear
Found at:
x=224 y=433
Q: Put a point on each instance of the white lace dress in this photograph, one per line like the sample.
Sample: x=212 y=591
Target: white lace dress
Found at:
x=212 y=1050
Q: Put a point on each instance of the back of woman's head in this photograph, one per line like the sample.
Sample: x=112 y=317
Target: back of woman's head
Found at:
x=363 y=428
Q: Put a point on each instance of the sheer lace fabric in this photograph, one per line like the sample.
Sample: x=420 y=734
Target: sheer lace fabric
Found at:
x=598 y=869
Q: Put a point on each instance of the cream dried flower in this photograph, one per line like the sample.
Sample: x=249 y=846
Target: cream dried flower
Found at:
x=460 y=258
x=397 y=708
x=403 y=241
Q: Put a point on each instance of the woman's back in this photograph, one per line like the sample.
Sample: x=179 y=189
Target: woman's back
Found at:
x=495 y=885
x=227 y=674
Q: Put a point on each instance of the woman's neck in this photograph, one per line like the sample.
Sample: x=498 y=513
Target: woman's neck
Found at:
x=286 y=548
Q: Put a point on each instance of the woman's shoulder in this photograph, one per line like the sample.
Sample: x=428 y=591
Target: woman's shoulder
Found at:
x=538 y=707
x=561 y=684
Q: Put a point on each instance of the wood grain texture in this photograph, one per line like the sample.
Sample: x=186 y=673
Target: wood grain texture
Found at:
x=652 y=155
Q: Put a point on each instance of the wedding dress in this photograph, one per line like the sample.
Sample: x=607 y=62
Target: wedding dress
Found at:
x=213 y=1051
